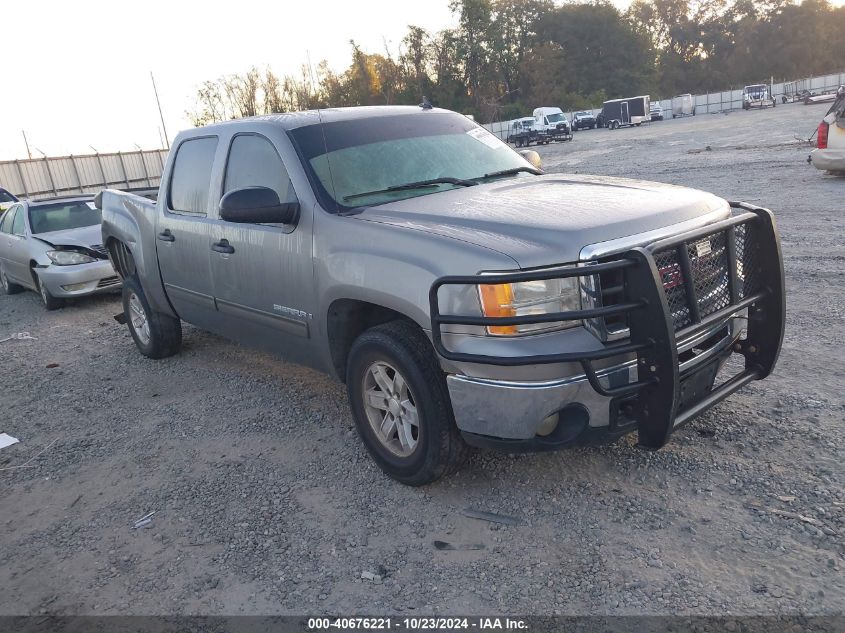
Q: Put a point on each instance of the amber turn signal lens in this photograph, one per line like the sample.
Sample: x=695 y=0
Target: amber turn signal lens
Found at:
x=497 y=301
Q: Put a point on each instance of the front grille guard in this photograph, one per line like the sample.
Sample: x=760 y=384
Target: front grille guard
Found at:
x=653 y=332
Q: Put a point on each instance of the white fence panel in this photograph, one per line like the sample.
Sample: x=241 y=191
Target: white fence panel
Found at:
x=67 y=175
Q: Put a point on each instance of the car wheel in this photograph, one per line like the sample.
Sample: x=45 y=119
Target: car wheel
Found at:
x=400 y=402
x=157 y=335
x=50 y=302
x=8 y=287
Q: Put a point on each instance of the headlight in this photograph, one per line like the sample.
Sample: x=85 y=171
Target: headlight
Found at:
x=526 y=298
x=68 y=258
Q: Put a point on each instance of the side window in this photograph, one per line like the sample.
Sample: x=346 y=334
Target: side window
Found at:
x=253 y=162
x=191 y=178
x=8 y=218
x=18 y=227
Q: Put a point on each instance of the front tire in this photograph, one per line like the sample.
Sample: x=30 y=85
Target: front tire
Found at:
x=50 y=302
x=401 y=404
x=155 y=334
x=8 y=287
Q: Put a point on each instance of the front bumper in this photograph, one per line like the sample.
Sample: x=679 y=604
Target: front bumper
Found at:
x=664 y=372
x=828 y=159
x=79 y=280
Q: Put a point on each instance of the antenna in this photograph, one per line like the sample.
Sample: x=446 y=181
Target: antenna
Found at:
x=161 y=116
x=26 y=142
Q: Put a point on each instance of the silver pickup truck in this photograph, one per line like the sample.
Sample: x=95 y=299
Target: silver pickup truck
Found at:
x=463 y=296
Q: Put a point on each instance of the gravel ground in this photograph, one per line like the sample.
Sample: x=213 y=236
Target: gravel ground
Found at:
x=266 y=502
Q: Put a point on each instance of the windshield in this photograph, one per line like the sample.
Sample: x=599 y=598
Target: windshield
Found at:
x=369 y=155
x=5 y=196
x=62 y=216
x=555 y=118
x=583 y=114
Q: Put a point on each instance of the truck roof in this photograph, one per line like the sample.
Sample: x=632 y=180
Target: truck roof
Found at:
x=293 y=120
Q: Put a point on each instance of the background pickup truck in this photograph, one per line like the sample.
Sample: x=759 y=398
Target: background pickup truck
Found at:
x=464 y=297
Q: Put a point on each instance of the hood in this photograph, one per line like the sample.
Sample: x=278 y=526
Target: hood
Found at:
x=86 y=236
x=546 y=220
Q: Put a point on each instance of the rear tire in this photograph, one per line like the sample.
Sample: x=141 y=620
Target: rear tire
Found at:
x=50 y=302
x=8 y=287
x=157 y=335
x=406 y=423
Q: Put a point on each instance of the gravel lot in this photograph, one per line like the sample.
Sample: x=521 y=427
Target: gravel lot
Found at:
x=266 y=501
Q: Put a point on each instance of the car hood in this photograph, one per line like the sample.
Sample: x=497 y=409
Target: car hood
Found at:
x=86 y=236
x=546 y=220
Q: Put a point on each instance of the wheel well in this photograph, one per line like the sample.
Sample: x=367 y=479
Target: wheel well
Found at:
x=347 y=319
x=32 y=266
x=121 y=258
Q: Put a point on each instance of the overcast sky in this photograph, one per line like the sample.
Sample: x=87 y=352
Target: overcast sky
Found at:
x=76 y=75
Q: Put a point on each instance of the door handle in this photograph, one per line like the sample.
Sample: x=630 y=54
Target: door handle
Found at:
x=166 y=236
x=223 y=246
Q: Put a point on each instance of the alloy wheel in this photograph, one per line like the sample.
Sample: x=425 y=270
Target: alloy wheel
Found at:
x=138 y=319
x=391 y=408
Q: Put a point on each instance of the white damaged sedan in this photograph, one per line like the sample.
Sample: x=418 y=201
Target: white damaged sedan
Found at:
x=54 y=247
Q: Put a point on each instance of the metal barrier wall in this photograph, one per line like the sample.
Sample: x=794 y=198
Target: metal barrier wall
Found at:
x=708 y=103
x=67 y=175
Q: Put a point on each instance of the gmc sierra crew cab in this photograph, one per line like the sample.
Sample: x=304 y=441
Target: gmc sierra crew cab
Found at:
x=464 y=297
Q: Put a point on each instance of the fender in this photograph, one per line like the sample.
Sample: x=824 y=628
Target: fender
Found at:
x=130 y=220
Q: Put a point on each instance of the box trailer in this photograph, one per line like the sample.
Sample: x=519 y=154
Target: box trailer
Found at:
x=683 y=105
x=623 y=112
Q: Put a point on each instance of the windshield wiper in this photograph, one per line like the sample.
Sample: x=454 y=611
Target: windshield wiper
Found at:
x=513 y=171
x=422 y=184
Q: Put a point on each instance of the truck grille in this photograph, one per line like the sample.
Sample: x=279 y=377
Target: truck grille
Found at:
x=696 y=278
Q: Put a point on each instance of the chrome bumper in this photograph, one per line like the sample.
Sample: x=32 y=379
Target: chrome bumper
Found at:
x=516 y=410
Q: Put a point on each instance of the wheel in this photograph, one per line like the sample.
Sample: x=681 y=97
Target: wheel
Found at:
x=8 y=287
x=783 y=99
x=401 y=404
x=157 y=335
x=50 y=302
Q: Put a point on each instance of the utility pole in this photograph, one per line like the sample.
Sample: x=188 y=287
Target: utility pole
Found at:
x=161 y=116
x=26 y=142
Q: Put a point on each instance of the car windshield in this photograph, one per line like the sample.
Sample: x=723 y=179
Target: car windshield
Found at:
x=555 y=118
x=371 y=155
x=5 y=196
x=582 y=114
x=61 y=216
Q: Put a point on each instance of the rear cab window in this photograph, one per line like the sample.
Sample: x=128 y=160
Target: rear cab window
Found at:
x=190 y=182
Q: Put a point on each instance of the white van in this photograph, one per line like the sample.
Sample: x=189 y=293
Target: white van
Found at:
x=552 y=123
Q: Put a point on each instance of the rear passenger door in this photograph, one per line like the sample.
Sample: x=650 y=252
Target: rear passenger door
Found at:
x=183 y=231
x=266 y=281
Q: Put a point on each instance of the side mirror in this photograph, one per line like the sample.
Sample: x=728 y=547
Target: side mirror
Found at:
x=532 y=157
x=256 y=205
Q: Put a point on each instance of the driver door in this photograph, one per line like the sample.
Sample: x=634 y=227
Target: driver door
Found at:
x=263 y=273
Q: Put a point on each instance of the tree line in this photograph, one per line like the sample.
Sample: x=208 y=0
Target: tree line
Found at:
x=505 y=57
